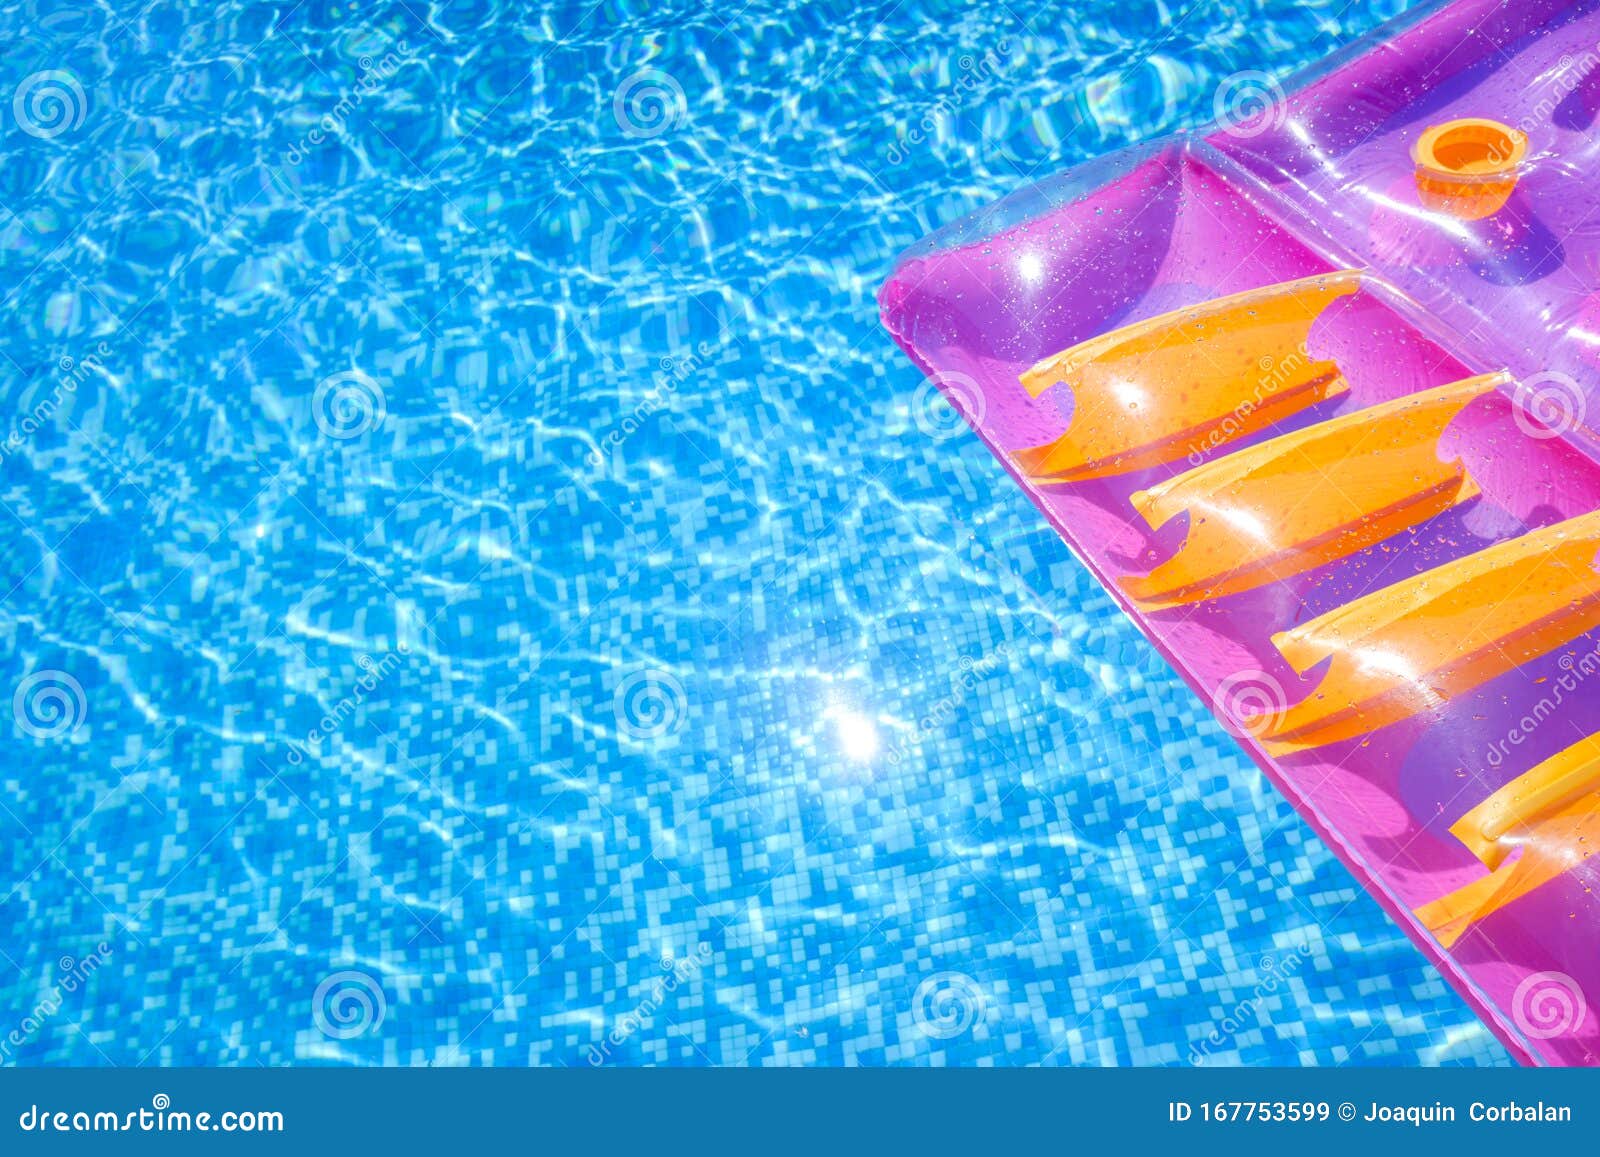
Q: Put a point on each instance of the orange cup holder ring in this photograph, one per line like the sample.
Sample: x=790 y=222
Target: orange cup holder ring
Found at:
x=1468 y=168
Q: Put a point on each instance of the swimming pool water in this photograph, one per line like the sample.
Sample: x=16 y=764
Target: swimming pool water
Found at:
x=481 y=588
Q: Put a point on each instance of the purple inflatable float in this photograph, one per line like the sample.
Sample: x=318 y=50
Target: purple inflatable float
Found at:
x=1315 y=394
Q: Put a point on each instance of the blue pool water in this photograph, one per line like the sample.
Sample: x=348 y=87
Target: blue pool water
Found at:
x=479 y=586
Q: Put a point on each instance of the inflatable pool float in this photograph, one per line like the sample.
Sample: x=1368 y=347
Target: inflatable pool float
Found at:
x=1316 y=396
